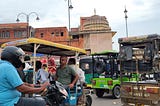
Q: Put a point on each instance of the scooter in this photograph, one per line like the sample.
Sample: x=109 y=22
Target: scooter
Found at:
x=55 y=94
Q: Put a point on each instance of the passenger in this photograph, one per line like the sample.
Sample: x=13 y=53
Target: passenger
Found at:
x=28 y=69
x=81 y=81
x=41 y=75
x=11 y=85
x=51 y=65
x=79 y=71
x=28 y=65
x=65 y=73
x=44 y=66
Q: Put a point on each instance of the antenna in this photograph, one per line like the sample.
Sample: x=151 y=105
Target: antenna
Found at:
x=94 y=11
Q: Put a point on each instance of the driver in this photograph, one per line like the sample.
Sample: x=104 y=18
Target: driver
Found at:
x=11 y=85
x=65 y=73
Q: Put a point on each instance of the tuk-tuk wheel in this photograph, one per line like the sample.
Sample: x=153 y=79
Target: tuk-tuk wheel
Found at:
x=116 y=92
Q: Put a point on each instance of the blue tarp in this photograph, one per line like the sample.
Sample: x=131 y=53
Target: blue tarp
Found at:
x=38 y=55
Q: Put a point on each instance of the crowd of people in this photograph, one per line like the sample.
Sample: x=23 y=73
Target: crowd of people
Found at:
x=13 y=77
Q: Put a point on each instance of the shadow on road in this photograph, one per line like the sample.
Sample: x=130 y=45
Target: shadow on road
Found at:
x=107 y=97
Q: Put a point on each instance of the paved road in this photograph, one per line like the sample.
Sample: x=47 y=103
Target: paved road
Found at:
x=107 y=100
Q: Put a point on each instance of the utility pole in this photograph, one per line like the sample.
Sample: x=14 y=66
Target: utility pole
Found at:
x=125 y=12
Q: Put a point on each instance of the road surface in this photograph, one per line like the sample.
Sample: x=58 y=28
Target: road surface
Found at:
x=106 y=100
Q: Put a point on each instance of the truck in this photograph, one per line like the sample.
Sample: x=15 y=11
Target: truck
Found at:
x=139 y=57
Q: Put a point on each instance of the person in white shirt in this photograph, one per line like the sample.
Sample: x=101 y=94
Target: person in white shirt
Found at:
x=27 y=63
x=81 y=81
x=79 y=71
x=41 y=75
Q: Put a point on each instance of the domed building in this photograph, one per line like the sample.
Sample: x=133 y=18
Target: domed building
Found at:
x=96 y=33
x=96 y=23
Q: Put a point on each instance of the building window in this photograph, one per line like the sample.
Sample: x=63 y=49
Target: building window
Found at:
x=75 y=37
x=57 y=33
x=7 y=34
x=15 y=34
x=4 y=34
x=52 y=33
x=42 y=35
x=62 y=34
x=32 y=33
x=19 y=34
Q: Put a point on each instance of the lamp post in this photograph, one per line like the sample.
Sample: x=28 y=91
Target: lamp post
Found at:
x=125 y=12
x=27 y=18
x=69 y=20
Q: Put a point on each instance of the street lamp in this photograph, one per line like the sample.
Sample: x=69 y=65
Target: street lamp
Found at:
x=69 y=20
x=69 y=8
x=27 y=18
x=125 y=12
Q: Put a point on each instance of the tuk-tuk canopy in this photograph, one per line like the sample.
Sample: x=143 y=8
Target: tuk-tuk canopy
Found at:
x=138 y=39
x=44 y=47
x=106 y=52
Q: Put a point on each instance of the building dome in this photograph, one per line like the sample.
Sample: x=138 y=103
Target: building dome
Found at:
x=97 y=23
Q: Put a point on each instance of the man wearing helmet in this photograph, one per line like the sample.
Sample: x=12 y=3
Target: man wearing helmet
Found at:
x=11 y=84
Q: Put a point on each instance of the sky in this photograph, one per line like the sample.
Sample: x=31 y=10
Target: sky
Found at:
x=143 y=15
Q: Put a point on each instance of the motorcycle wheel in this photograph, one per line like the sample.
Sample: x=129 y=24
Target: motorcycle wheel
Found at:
x=88 y=100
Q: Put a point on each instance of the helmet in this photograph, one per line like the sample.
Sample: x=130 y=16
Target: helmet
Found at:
x=12 y=54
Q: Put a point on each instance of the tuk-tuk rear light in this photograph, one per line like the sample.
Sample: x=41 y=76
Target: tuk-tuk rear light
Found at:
x=128 y=89
x=152 y=90
x=110 y=82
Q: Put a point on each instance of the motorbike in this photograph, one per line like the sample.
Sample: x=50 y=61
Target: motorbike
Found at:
x=55 y=94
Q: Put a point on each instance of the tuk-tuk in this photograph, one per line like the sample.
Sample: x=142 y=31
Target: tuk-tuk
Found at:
x=35 y=45
x=139 y=57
